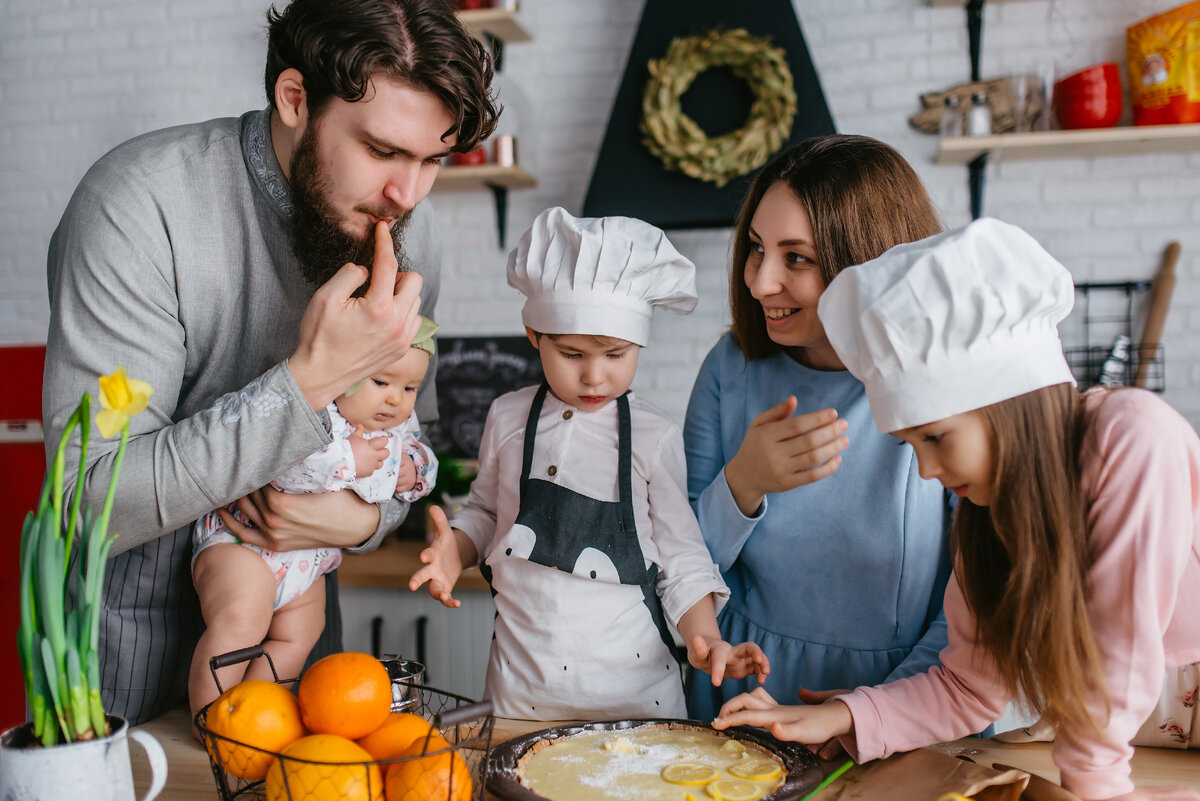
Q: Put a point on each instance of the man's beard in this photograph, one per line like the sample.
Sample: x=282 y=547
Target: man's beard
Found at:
x=320 y=244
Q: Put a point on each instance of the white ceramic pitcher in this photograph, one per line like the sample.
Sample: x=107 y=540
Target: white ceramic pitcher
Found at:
x=97 y=770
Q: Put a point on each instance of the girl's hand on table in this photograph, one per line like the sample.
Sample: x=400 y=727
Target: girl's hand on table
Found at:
x=833 y=748
x=813 y=726
x=721 y=660
x=781 y=452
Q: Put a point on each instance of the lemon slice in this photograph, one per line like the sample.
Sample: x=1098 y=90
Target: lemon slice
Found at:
x=733 y=790
x=755 y=769
x=689 y=773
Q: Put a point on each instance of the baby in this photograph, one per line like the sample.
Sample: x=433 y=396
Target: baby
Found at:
x=248 y=593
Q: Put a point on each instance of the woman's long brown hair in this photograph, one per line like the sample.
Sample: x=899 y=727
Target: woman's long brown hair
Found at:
x=861 y=197
x=1022 y=562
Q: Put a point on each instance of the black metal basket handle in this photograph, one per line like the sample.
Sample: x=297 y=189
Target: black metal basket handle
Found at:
x=241 y=655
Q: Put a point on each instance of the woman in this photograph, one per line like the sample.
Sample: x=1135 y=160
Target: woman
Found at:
x=1077 y=564
x=832 y=546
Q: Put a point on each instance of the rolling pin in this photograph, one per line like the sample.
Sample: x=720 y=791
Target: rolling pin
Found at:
x=1040 y=789
x=1156 y=315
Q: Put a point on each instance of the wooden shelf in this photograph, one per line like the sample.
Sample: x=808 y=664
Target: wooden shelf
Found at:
x=1069 y=144
x=454 y=179
x=498 y=23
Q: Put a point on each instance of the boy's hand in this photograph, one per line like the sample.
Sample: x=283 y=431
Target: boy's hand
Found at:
x=406 y=478
x=369 y=454
x=720 y=659
x=443 y=563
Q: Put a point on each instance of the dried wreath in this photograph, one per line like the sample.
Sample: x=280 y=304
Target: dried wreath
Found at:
x=680 y=143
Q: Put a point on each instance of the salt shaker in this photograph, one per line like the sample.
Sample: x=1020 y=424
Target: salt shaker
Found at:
x=979 y=117
x=952 y=117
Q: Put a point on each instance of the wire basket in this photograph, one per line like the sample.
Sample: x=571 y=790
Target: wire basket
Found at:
x=1104 y=350
x=1096 y=366
x=437 y=771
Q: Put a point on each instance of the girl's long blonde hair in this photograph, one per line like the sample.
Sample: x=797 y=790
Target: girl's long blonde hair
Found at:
x=1022 y=562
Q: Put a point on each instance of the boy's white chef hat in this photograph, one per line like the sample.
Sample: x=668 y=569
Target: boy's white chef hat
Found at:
x=955 y=322
x=602 y=275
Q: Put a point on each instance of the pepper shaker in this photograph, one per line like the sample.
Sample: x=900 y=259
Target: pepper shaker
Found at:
x=952 y=117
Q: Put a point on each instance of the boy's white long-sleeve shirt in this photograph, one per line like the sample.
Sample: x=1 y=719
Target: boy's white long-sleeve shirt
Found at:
x=1141 y=481
x=581 y=447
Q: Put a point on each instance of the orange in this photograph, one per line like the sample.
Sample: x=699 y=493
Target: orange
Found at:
x=336 y=770
x=399 y=731
x=437 y=776
x=347 y=694
x=257 y=714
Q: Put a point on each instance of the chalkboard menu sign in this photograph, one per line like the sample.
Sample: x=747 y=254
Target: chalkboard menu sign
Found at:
x=473 y=372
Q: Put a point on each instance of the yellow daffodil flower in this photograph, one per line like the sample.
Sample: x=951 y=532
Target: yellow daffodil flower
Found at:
x=121 y=398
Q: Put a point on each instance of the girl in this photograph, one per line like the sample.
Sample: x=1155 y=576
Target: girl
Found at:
x=1077 y=539
x=836 y=569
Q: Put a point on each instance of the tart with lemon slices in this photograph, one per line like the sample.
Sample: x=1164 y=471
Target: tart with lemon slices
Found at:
x=656 y=762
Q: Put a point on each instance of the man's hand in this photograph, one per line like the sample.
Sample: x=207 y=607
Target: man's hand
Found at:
x=443 y=560
x=286 y=522
x=369 y=454
x=781 y=452
x=343 y=338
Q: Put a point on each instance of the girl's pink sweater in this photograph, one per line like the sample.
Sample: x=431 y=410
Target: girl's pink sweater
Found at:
x=1141 y=478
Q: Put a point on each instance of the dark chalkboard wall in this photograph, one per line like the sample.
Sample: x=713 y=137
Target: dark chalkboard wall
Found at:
x=628 y=180
x=473 y=372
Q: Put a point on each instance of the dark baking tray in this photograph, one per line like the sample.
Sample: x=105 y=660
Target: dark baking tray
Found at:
x=803 y=768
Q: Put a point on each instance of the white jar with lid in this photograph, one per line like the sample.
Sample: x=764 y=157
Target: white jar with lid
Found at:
x=979 y=116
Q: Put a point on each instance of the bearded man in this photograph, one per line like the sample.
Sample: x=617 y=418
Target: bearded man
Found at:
x=250 y=270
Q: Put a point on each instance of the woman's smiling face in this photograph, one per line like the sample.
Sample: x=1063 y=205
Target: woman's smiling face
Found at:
x=783 y=275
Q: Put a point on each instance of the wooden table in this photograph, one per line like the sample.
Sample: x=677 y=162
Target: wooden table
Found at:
x=191 y=779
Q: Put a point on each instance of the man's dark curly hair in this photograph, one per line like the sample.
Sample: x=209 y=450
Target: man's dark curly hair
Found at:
x=337 y=45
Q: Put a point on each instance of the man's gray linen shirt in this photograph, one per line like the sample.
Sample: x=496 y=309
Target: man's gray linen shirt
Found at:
x=174 y=260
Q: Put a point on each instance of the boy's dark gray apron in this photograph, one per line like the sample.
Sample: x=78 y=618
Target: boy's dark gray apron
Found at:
x=580 y=631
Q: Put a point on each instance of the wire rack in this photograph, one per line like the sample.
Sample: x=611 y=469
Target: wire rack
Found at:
x=1107 y=352
x=464 y=724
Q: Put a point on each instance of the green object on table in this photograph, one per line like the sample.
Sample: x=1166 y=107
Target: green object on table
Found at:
x=828 y=780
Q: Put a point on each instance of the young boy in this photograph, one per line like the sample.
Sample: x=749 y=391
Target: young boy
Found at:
x=579 y=518
x=249 y=593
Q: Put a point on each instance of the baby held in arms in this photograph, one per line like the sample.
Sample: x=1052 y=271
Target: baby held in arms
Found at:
x=251 y=595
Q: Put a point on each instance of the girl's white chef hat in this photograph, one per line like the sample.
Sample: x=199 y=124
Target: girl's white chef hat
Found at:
x=601 y=275
x=955 y=322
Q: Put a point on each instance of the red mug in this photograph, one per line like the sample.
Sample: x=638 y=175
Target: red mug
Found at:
x=1089 y=98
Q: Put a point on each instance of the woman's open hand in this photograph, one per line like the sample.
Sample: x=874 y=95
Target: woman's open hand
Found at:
x=782 y=451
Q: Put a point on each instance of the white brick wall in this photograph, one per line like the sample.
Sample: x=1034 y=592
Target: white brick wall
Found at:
x=77 y=77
